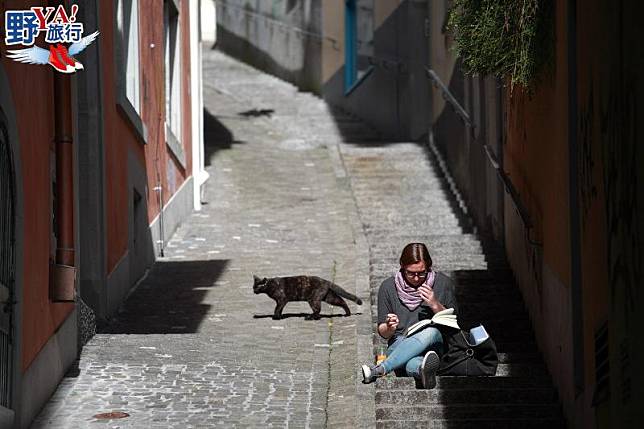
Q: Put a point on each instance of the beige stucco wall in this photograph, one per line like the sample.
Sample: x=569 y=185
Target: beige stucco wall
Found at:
x=332 y=27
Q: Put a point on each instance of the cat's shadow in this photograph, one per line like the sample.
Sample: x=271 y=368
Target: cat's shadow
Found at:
x=302 y=315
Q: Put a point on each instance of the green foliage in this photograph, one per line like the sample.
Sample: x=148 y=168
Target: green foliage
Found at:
x=507 y=38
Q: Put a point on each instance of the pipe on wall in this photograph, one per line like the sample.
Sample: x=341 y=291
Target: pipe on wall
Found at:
x=63 y=279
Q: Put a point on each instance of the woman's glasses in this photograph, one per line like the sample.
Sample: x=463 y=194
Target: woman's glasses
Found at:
x=413 y=274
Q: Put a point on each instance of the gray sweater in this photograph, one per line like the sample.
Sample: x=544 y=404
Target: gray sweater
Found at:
x=388 y=302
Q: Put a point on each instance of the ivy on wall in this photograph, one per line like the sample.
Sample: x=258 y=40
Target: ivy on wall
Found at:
x=511 y=39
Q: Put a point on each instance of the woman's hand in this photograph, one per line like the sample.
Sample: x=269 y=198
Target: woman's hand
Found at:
x=392 y=321
x=427 y=293
x=387 y=329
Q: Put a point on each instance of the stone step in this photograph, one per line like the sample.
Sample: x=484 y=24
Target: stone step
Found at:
x=442 y=260
x=417 y=205
x=476 y=293
x=520 y=357
x=447 y=225
x=461 y=251
x=447 y=265
x=446 y=261
x=493 y=423
x=475 y=289
x=482 y=277
x=453 y=382
x=533 y=395
x=484 y=310
x=438 y=254
x=387 y=245
x=428 y=412
x=380 y=210
x=391 y=253
x=391 y=247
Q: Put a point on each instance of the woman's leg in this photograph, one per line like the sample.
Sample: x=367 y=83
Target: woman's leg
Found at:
x=411 y=347
x=413 y=366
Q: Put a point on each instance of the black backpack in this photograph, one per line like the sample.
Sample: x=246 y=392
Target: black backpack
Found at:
x=463 y=358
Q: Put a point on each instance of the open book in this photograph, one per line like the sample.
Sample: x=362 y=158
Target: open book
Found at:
x=445 y=317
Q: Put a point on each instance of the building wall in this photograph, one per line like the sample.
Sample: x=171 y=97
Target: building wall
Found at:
x=186 y=106
x=535 y=155
x=611 y=197
x=124 y=147
x=394 y=96
x=536 y=159
x=35 y=123
x=48 y=331
x=592 y=102
x=281 y=38
x=461 y=142
x=208 y=16
x=118 y=136
x=332 y=27
x=609 y=188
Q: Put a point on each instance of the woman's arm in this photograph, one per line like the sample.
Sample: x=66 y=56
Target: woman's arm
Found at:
x=386 y=325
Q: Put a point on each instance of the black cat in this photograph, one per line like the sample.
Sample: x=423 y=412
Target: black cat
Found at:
x=312 y=289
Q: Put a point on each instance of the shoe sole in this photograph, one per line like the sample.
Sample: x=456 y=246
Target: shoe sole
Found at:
x=365 y=377
x=430 y=364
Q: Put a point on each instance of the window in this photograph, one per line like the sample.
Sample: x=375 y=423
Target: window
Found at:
x=128 y=65
x=172 y=55
x=358 y=41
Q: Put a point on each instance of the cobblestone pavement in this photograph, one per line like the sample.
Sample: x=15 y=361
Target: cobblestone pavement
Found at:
x=193 y=346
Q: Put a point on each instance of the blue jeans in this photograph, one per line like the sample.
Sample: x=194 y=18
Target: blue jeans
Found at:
x=408 y=352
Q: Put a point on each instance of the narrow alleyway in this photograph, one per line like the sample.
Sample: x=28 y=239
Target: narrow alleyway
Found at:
x=297 y=188
x=193 y=346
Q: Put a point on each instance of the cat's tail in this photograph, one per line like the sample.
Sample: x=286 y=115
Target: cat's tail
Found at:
x=344 y=294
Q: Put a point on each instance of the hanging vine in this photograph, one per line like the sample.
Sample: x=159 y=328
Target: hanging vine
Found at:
x=511 y=39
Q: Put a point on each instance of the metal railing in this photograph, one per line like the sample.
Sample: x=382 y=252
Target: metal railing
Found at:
x=490 y=156
x=449 y=97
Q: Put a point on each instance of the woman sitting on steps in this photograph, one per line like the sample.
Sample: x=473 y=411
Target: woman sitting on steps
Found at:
x=416 y=292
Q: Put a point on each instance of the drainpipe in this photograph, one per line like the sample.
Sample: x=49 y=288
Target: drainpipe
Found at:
x=63 y=281
x=574 y=216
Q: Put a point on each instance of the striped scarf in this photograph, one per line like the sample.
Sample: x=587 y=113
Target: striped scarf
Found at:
x=408 y=295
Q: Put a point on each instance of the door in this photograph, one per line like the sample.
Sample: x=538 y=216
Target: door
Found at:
x=7 y=266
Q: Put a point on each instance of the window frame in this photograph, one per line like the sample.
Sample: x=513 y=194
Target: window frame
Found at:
x=173 y=78
x=351 y=78
x=128 y=67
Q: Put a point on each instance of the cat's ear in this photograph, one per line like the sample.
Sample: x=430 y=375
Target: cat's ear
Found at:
x=255 y=278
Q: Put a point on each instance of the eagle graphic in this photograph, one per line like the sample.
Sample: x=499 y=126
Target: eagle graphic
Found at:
x=58 y=56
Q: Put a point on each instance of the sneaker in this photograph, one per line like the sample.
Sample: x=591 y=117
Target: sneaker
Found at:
x=56 y=61
x=428 y=369
x=370 y=373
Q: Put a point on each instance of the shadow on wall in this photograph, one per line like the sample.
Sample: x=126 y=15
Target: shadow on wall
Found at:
x=169 y=300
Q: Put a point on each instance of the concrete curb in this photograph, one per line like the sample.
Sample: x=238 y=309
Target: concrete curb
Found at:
x=364 y=395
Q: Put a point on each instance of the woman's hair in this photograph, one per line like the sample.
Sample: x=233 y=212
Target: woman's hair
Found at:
x=414 y=253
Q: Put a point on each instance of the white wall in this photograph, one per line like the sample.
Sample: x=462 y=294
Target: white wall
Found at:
x=208 y=21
